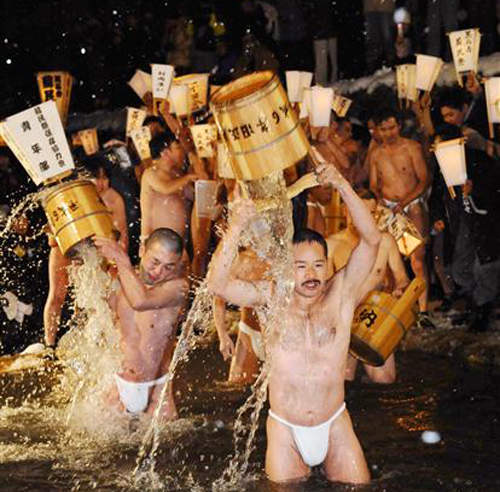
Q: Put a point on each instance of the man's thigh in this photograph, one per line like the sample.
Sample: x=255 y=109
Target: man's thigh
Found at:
x=283 y=461
x=419 y=216
x=345 y=461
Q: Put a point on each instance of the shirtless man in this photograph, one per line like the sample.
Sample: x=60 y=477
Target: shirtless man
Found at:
x=388 y=261
x=308 y=424
x=399 y=178
x=166 y=194
x=249 y=347
x=148 y=305
x=58 y=276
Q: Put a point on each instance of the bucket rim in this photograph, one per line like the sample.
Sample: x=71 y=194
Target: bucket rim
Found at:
x=65 y=186
x=267 y=87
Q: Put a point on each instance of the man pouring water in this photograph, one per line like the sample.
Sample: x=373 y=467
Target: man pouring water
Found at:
x=148 y=306
x=308 y=423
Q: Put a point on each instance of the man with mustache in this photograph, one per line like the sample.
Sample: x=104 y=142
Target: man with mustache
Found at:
x=308 y=424
x=400 y=179
x=148 y=306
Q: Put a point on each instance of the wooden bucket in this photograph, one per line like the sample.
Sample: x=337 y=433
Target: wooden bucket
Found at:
x=381 y=321
x=75 y=212
x=258 y=125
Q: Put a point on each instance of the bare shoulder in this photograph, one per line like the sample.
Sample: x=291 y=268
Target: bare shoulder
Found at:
x=148 y=174
x=412 y=145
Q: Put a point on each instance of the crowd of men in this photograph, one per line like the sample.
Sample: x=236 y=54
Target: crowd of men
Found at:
x=336 y=262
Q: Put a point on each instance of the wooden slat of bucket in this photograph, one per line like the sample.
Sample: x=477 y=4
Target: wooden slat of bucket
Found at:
x=334 y=214
x=75 y=212
x=258 y=125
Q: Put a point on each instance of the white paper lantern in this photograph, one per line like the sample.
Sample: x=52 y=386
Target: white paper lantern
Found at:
x=179 y=95
x=451 y=159
x=293 y=86
x=428 y=69
x=161 y=80
x=305 y=82
x=141 y=83
x=465 y=50
x=306 y=105
x=321 y=106
x=492 y=90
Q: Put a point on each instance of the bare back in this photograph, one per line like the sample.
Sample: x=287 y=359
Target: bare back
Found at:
x=160 y=210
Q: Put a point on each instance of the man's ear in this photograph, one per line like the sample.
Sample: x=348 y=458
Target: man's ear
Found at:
x=142 y=250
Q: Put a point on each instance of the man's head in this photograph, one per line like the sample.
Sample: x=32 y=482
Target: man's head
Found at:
x=167 y=151
x=100 y=171
x=388 y=125
x=310 y=262
x=162 y=257
x=453 y=105
x=156 y=125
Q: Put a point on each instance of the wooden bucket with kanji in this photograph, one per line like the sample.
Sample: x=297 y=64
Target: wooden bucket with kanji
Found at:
x=258 y=125
x=381 y=321
x=75 y=212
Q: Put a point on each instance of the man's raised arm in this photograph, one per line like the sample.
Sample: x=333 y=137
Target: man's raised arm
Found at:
x=220 y=280
x=168 y=294
x=363 y=257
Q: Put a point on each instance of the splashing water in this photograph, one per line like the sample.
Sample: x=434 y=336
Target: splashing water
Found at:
x=270 y=237
x=194 y=328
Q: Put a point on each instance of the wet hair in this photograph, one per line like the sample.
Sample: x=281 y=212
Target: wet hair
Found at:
x=96 y=162
x=447 y=131
x=160 y=142
x=155 y=119
x=452 y=97
x=309 y=236
x=168 y=238
x=384 y=114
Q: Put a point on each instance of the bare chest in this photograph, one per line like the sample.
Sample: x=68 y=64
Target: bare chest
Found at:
x=394 y=164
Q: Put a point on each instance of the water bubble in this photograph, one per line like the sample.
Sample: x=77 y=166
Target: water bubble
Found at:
x=8 y=61
x=83 y=51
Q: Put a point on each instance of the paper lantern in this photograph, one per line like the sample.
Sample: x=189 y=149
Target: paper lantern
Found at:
x=465 y=50
x=306 y=105
x=428 y=69
x=204 y=136
x=293 y=85
x=141 y=83
x=135 y=118
x=197 y=84
x=179 y=97
x=400 y=227
x=141 y=138
x=36 y=137
x=341 y=105
x=305 y=81
x=492 y=91
x=56 y=86
x=450 y=155
x=405 y=80
x=89 y=140
x=321 y=106
x=161 y=80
